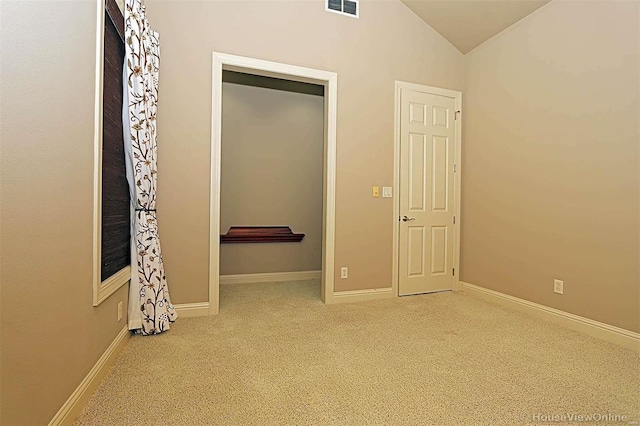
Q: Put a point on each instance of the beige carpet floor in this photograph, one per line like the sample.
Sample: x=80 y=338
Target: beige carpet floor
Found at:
x=277 y=356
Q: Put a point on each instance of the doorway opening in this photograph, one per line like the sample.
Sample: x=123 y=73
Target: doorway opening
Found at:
x=247 y=70
x=270 y=190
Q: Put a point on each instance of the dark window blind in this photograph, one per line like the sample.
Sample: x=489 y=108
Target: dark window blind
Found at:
x=116 y=234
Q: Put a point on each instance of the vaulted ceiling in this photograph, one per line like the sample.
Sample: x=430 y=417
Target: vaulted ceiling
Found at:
x=469 y=23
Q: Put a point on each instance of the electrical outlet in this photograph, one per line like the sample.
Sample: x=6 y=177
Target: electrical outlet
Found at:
x=344 y=272
x=558 y=286
x=119 y=310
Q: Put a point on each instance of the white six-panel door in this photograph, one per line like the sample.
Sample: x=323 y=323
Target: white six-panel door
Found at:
x=427 y=152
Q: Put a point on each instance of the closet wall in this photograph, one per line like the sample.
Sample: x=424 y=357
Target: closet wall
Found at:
x=272 y=161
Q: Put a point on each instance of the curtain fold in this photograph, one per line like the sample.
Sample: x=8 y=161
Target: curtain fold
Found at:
x=150 y=308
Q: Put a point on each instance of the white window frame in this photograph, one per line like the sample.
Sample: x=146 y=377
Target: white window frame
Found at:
x=340 y=12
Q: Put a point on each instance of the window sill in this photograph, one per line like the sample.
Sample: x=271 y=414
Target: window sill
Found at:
x=109 y=286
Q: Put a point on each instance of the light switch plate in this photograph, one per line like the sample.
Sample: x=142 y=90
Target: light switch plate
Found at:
x=375 y=192
x=387 y=192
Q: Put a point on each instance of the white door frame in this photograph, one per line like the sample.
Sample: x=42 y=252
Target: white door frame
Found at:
x=457 y=96
x=222 y=61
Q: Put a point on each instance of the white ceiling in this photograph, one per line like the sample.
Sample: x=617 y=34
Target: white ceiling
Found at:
x=468 y=23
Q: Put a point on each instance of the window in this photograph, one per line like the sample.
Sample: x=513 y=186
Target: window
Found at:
x=112 y=238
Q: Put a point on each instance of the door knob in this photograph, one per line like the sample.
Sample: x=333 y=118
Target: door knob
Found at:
x=407 y=219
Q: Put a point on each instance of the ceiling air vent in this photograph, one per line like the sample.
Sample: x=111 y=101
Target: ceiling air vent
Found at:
x=344 y=7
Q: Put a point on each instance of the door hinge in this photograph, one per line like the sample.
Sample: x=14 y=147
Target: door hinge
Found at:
x=455 y=168
x=454 y=272
x=455 y=115
x=454 y=220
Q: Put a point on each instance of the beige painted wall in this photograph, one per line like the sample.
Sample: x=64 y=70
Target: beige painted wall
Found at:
x=387 y=43
x=551 y=147
x=51 y=335
x=272 y=154
x=557 y=93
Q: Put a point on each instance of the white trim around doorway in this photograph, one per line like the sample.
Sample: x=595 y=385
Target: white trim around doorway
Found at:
x=457 y=96
x=329 y=80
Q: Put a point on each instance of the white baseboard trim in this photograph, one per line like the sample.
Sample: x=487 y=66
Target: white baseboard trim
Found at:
x=362 y=295
x=620 y=336
x=188 y=310
x=78 y=399
x=270 y=277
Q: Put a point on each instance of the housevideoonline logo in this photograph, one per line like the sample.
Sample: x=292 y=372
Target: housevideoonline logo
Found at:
x=580 y=417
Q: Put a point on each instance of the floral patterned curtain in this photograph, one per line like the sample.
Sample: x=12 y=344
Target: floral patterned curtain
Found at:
x=150 y=308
